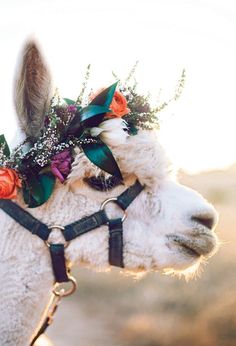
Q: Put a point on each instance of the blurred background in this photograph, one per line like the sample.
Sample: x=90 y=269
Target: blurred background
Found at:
x=198 y=132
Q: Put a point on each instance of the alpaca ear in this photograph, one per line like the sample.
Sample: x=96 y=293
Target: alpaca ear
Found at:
x=33 y=90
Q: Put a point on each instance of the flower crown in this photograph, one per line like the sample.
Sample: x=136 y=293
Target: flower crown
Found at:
x=105 y=118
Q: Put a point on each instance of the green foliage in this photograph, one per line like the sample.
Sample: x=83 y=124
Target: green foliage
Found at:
x=37 y=189
x=69 y=101
x=142 y=114
x=105 y=97
x=93 y=114
x=100 y=155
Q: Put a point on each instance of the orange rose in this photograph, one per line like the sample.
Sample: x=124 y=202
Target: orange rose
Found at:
x=118 y=104
x=9 y=181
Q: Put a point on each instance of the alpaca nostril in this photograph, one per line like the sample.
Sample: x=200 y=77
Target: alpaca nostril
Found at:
x=205 y=220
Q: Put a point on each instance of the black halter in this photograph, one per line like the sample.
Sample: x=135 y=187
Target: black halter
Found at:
x=59 y=264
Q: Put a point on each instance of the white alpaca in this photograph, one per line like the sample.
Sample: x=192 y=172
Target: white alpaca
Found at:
x=168 y=228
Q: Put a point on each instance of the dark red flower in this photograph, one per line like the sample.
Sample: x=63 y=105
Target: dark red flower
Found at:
x=61 y=165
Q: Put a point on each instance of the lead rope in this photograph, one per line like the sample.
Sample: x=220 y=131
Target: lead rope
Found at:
x=51 y=309
x=61 y=270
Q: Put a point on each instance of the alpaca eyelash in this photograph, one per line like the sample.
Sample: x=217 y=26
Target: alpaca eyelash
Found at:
x=103 y=184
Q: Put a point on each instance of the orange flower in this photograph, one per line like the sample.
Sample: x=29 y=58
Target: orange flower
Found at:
x=9 y=181
x=118 y=104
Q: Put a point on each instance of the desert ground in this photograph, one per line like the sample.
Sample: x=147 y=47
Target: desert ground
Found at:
x=110 y=309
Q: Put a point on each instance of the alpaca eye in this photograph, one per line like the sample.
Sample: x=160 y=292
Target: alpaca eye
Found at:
x=101 y=183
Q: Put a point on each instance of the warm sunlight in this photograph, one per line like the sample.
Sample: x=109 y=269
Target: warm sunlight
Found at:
x=198 y=130
x=43 y=341
x=90 y=190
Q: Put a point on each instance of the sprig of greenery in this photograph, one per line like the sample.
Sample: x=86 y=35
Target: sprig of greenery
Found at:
x=141 y=114
x=178 y=91
x=131 y=73
x=79 y=100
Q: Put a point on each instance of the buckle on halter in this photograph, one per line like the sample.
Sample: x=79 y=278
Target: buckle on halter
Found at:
x=113 y=200
x=62 y=292
x=48 y=243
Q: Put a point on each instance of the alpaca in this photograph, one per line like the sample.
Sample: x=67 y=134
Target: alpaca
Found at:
x=169 y=227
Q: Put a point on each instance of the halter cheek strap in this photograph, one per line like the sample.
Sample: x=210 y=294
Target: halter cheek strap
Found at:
x=60 y=266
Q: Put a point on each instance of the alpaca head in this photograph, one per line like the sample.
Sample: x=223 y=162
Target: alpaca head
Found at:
x=168 y=227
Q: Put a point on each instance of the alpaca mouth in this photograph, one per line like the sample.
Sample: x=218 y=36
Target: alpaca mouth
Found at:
x=195 y=246
x=190 y=251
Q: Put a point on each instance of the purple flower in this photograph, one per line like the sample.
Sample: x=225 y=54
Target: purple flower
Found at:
x=61 y=165
x=72 y=108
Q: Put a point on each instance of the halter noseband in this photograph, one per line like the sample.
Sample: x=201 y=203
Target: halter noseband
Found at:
x=60 y=268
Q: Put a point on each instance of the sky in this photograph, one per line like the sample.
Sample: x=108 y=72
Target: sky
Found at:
x=198 y=131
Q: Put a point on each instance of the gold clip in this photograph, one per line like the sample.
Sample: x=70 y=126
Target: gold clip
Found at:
x=62 y=292
x=53 y=308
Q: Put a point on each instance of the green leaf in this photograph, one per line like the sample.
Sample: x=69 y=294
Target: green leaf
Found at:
x=92 y=110
x=38 y=189
x=105 y=97
x=69 y=101
x=100 y=155
x=32 y=192
x=92 y=115
x=6 y=150
x=47 y=181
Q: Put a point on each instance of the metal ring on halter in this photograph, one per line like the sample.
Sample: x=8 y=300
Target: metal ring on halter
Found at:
x=113 y=199
x=58 y=227
x=61 y=292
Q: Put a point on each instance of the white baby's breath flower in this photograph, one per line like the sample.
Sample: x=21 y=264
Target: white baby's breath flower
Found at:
x=112 y=131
